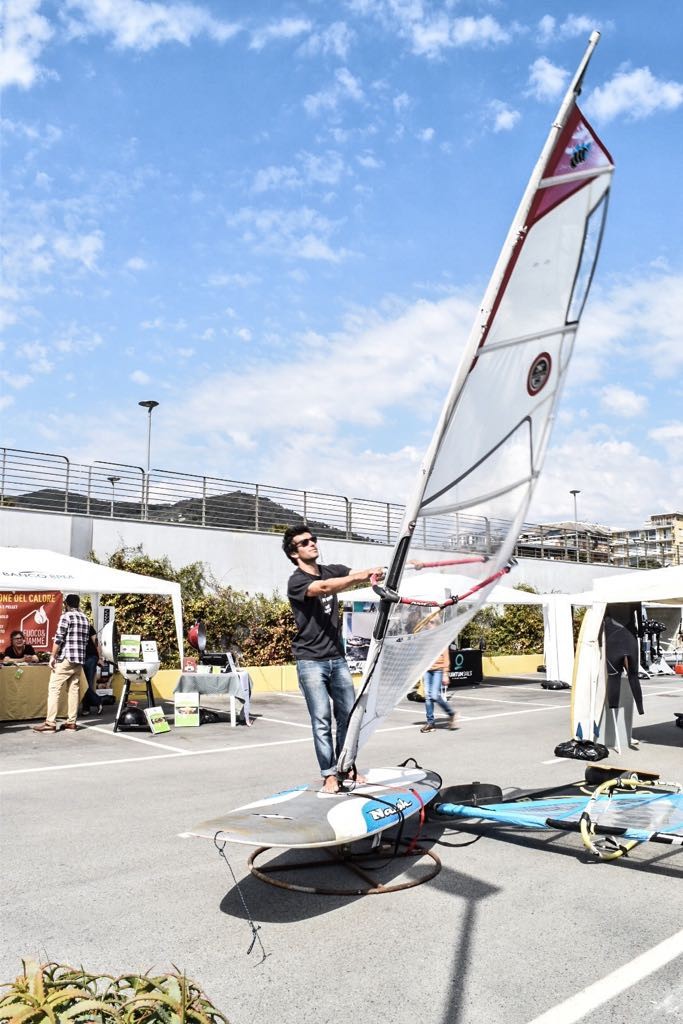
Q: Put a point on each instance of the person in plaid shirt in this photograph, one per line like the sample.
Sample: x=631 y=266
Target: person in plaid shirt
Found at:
x=66 y=662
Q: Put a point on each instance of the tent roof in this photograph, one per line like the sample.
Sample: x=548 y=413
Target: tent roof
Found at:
x=432 y=586
x=650 y=586
x=32 y=568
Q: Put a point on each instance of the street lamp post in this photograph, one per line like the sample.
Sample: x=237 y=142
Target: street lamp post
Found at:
x=576 y=523
x=113 y=480
x=148 y=405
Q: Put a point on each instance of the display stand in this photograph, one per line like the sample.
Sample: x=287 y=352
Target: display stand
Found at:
x=135 y=674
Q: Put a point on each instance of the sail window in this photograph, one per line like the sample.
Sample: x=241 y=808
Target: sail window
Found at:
x=589 y=255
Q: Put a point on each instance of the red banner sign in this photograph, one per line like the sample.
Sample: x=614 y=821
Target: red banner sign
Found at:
x=35 y=614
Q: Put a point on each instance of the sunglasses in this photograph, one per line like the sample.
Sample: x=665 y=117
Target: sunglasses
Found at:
x=306 y=542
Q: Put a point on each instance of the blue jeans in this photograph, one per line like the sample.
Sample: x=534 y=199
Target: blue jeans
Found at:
x=91 y=698
x=432 y=685
x=322 y=682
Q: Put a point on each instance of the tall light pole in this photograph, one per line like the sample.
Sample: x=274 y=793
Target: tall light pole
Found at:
x=113 y=480
x=148 y=405
x=576 y=523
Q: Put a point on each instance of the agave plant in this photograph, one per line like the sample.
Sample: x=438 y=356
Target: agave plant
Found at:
x=60 y=994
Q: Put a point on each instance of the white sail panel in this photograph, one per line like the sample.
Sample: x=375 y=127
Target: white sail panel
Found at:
x=489 y=445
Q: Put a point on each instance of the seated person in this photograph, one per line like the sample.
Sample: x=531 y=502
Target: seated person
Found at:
x=18 y=650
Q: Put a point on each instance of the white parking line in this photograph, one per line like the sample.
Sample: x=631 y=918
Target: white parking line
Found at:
x=495 y=700
x=177 y=752
x=600 y=992
x=284 y=721
x=134 y=739
x=151 y=757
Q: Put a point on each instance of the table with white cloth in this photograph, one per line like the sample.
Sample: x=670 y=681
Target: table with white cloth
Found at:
x=236 y=685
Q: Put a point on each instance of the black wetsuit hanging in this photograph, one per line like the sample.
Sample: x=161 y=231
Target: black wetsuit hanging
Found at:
x=623 y=655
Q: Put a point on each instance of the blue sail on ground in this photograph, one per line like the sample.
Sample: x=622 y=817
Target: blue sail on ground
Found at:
x=643 y=817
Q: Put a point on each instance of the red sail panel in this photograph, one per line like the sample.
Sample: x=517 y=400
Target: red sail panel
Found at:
x=578 y=149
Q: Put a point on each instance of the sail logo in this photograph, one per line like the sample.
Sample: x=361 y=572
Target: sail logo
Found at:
x=539 y=373
x=379 y=813
x=579 y=153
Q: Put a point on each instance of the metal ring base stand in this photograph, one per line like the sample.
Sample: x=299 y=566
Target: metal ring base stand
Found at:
x=341 y=856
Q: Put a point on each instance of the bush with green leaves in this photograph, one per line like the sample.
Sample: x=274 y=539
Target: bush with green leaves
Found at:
x=60 y=994
x=259 y=628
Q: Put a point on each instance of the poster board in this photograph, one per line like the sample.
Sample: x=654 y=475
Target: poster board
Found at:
x=36 y=614
x=186 y=710
x=157 y=720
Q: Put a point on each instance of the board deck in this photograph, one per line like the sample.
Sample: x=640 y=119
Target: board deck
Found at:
x=588 y=680
x=304 y=817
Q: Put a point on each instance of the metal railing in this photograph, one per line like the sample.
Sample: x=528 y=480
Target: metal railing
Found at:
x=52 y=483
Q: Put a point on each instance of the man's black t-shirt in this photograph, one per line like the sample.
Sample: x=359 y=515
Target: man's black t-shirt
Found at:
x=317 y=618
x=9 y=652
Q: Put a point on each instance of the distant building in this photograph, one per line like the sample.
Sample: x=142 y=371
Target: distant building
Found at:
x=574 y=542
x=657 y=543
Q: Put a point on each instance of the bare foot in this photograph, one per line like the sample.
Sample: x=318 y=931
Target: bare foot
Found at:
x=330 y=785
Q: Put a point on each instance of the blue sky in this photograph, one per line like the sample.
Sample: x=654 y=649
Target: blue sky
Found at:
x=277 y=219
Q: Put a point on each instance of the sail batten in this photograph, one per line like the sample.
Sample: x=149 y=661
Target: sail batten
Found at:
x=488 y=446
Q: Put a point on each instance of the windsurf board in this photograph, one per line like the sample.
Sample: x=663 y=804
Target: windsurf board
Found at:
x=304 y=817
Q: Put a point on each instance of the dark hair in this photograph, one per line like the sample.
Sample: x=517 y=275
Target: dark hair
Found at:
x=288 y=536
x=16 y=632
x=72 y=601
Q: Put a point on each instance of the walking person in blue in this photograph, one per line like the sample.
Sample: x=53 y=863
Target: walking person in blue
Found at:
x=324 y=677
x=433 y=680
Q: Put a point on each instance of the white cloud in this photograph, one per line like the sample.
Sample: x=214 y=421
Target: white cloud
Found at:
x=301 y=232
x=232 y=280
x=82 y=248
x=276 y=177
x=15 y=380
x=369 y=162
x=336 y=40
x=140 y=377
x=401 y=102
x=546 y=80
x=137 y=263
x=244 y=334
x=344 y=87
x=42 y=180
x=504 y=118
x=550 y=30
x=669 y=435
x=25 y=35
x=636 y=94
x=6 y=401
x=397 y=365
x=622 y=401
x=602 y=467
x=185 y=353
x=426 y=135
x=35 y=357
x=135 y=25
x=286 y=28
x=77 y=339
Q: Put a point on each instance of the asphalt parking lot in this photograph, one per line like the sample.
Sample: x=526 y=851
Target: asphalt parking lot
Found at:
x=517 y=927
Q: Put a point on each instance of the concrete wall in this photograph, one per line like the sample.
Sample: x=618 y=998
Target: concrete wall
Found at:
x=252 y=562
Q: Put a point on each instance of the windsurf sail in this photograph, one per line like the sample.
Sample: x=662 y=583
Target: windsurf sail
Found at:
x=488 y=446
x=617 y=815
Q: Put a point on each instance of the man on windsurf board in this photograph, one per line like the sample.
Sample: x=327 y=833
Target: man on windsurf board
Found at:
x=322 y=671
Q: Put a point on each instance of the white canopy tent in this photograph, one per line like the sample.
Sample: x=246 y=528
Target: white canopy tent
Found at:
x=558 y=644
x=24 y=569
